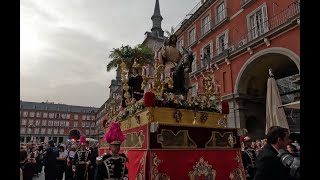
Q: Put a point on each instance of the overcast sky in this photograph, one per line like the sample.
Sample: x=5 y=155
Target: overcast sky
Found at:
x=65 y=44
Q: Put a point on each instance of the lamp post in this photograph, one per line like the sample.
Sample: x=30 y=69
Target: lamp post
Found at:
x=31 y=126
x=92 y=113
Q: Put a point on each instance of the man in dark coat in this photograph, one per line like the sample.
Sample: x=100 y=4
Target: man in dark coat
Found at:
x=268 y=164
x=50 y=159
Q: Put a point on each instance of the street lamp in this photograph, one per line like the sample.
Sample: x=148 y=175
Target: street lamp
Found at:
x=31 y=126
x=90 y=124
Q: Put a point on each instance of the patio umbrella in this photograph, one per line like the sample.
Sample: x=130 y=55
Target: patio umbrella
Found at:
x=91 y=140
x=292 y=105
x=275 y=116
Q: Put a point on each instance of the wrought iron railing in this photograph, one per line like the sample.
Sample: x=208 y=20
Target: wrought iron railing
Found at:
x=270 y=24
x=214 y=22
x=276 y=21
x=188 y=15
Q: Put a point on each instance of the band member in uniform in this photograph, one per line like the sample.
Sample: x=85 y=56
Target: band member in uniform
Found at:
x=112 y=165
x=248 y=158
x=81 y=160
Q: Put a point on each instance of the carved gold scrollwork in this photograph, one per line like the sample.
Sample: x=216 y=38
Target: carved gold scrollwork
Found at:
x=155 y=174
x=168 y=139
x=137 y=118
x=202 y=170
x=177 y=115
x=141 y=173
x=238 y=173
x=204 y=117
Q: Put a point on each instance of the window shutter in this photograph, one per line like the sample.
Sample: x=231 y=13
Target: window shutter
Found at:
x=211 y=50
x=217 y=45
x=226 y=39
x=265 y=19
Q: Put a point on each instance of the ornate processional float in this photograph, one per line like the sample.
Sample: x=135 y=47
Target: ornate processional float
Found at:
x=174 y=136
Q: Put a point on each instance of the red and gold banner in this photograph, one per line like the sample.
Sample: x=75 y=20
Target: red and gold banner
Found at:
x=185 y=165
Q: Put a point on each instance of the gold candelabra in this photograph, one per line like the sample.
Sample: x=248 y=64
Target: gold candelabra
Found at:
x=125 y=80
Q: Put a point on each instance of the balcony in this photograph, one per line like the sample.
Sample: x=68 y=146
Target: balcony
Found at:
x=194 y=13
x=270 y=28
x=278 y=23
x=214 y=23
x=246 y=3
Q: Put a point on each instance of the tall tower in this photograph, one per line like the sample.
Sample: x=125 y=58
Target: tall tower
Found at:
x=156 y=18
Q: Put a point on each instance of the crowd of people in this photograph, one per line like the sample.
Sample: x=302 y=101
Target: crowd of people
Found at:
x=75 y=161
x=276 y=156
x=60 y=161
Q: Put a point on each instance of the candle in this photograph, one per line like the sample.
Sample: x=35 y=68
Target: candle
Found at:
x=143 y=71
x=147 y=71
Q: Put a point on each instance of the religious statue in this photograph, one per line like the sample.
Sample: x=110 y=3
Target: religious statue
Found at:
x=135 y=81
x=177 y=66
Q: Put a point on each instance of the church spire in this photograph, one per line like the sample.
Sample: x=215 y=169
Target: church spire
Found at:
x=156 y=18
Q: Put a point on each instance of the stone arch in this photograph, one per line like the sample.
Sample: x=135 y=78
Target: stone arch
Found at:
x=274 y=50
x=251 y=84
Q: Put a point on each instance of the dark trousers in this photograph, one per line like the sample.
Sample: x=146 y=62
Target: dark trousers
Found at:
x=69 y=175
x=50 y=172
x=80 y=172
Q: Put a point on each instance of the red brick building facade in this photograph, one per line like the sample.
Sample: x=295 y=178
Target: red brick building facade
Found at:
x=238 y=41
x=44 y=121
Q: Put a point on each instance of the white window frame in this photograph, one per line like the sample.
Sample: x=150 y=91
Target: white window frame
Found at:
x=75 y=116
x=67 y=123
x=87 y=131
x=202 y=52
x=55 y=131
x=194 y=89
x=38 y=114
x=252 y=28
x=83 y=124
x=24 y=122
x=45 y=115
x=194 y=63
x=220 y=16
x=226 y=40
x=56 y=123
x=68 y=116
x=38 y=122
x=22 y=130
x=25 y=114
x=75 y=124
x=31 y=121
x=193 y=28
x=205 y=27
x=36 y=130
x=84 y=117
x=57 y=115
x=180 y=44
x=49 y=131
x=61 y=131
x=51 y=115
x=31 y=114
x=44 y=122
x=43 y=130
